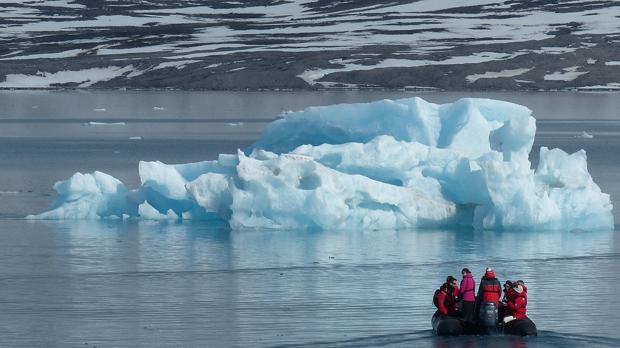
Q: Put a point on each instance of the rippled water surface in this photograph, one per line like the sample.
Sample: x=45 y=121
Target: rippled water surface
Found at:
x=129 y=284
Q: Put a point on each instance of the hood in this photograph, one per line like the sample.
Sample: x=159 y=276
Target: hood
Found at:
x=489 y=275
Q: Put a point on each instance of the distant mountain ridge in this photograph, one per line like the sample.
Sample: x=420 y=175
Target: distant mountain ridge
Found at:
x=305 y=44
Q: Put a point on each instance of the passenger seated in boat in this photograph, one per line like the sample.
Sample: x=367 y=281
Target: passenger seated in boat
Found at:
x=508 y=293
x=522 y=283
x=453 y=288
x=517 y=303
x=508 y=285
x=445 y=303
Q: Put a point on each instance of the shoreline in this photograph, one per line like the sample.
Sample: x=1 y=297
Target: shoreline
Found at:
x=594 y=89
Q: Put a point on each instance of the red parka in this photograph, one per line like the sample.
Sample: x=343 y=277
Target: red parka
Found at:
x=509 y=294
x=442 y=298
x=455 y=292
x=446 y=303
x=517 y=305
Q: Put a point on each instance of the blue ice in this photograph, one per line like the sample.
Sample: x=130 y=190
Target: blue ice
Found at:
x=388 y=164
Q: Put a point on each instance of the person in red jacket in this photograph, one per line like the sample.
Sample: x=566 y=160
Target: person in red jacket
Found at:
x=522 y=283
x=517 y=305
x=487 y=301
x=509 y=293
x=490 y=289
x=444 y=302
x=440 y=299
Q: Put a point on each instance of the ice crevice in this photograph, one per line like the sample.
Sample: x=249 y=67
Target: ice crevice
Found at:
x=382 y=165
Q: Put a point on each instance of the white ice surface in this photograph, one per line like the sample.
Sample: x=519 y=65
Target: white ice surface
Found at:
x=495 y=74
x=585 y=135
x=612 y=86
x=311 y=75
x=381 y=165
x=567 y=74
x=84 y=78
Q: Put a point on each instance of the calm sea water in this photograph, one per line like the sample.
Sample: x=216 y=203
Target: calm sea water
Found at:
x=129 y=284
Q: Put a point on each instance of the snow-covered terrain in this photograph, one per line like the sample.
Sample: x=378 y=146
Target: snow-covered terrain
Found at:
x=310 y=43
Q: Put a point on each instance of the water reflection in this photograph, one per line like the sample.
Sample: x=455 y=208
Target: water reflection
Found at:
x=169 y=284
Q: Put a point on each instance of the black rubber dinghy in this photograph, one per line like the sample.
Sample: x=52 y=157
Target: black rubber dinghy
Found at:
x=447 y=326
x=520 y=327
x=454 y=326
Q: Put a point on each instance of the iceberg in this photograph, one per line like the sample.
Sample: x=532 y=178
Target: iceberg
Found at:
x=389 y=164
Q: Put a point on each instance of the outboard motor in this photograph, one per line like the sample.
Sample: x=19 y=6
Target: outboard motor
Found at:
x=487 y=319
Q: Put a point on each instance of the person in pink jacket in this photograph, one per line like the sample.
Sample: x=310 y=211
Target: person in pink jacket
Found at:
x=467 y=293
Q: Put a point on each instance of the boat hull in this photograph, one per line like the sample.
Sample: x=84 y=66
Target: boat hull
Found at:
x=454 y=326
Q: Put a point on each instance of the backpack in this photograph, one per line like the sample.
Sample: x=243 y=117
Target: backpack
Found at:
x=435 y=298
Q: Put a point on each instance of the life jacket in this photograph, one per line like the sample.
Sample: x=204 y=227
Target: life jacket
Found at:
x=491 y=292
x=490 y=288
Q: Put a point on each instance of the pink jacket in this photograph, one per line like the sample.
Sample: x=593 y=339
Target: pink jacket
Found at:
x=468 y=288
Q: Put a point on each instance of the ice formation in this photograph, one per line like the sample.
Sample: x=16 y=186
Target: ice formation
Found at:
x=380 y=165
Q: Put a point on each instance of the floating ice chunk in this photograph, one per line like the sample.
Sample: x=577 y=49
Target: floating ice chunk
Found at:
x=90 y=196
x=135 y=138
x=585 y=135
x=98 y=124
x=388 y=164
x=565 y=179
x=100 y=110
x=9 y=193
x=158 y=108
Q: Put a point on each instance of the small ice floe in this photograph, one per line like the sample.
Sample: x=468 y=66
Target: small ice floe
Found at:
x=234 y=124
x=158 y=108
x=35 y=106
x=135 y=138
x=96 y=124
x=9 y=193
x=584 y=135
x=99 y=110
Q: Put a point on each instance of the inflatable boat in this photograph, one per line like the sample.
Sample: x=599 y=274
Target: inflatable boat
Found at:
x=520 y=327
x=454 y=326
